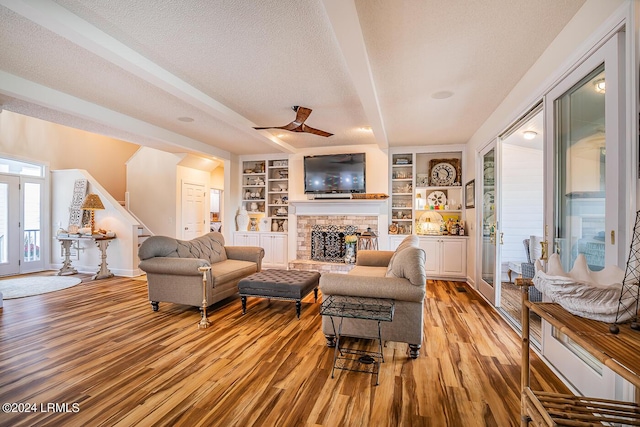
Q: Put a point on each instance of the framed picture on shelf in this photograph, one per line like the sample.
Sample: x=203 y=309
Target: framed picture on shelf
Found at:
x=470 y=194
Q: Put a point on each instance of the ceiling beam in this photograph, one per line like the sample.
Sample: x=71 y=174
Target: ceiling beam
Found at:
x=26 y=90
x=343 y=17
x=59 y=20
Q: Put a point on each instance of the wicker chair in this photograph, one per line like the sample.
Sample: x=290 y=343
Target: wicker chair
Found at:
x=529 y=270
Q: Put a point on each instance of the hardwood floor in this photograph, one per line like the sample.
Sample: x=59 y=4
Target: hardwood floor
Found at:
x=100 y=346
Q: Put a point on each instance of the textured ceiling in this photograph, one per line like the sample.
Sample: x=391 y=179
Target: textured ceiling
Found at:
x=131 y=69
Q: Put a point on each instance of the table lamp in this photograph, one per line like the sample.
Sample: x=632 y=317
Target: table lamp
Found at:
x=92 y=203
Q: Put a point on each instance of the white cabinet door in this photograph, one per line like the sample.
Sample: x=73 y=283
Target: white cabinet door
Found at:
x=446 y=257
x=432 y=250
x=246 y=239
x=453 y=259
x=275 y=250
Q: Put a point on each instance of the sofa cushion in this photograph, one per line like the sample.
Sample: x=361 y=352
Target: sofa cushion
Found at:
x=209 y=247
x=410 y=240
x=158 y=246
x=230 y=270
x=407 y=242
x=409 y=264
x=362 y=270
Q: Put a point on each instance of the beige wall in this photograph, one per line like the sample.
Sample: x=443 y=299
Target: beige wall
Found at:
x=151 y=178
x=62 y=147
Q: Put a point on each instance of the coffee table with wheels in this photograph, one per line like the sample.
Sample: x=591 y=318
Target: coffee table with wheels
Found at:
x=374 y=309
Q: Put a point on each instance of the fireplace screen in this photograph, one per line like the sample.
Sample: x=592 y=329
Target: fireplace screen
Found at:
x=327 y=242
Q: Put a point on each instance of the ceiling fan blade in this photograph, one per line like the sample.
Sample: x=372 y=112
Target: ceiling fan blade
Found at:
x=302 y=113
x=293 y=127
x=314 y=131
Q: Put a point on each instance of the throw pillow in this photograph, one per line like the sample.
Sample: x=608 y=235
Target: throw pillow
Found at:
x=409 y=264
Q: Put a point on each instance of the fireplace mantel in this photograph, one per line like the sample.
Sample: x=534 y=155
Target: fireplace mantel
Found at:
x=338 y=207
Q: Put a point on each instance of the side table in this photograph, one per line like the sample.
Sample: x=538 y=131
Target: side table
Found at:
x=101 y=241
x=376 y=309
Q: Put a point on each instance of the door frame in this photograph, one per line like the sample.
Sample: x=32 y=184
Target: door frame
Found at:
x=611 y=52
x=16 y=215
x=491 y=293
x=12 y=266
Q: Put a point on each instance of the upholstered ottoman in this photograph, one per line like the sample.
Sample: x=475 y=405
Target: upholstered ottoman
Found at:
x=290 y=285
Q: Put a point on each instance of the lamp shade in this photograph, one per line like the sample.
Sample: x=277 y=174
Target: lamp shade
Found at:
x=92 y=202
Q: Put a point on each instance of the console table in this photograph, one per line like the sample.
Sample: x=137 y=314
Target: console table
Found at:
x=617 y=352
x=376 y=309
x=101 y=241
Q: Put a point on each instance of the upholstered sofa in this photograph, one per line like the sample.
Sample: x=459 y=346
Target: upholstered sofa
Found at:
x=399 y=275
x=172 y=268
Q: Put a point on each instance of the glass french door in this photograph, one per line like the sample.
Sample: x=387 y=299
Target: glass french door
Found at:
x=489 y=221
x=9 y=225
x=21 y=225
x=586 y=161
x=588 y=186
x=32 y=213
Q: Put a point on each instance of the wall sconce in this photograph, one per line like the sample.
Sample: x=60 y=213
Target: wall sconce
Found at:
x=92 y=203
x=600 y=86
x=529 y=134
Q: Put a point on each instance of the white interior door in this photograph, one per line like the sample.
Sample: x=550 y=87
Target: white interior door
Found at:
x=9 y=225
x=193 y=210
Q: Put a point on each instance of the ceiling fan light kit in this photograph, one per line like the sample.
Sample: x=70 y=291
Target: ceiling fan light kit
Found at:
x=302 y=113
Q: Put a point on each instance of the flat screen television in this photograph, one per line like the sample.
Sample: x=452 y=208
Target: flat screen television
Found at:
x=334 y=173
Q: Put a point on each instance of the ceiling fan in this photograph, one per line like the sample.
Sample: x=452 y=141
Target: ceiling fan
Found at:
x=302 y=113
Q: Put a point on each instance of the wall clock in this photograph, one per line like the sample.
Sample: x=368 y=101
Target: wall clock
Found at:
x=443 y=174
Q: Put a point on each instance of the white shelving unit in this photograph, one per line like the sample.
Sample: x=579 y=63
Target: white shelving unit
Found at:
x=265 y=196
x=278 y=194
x=254 y=180
x=425 y=186
x=402 y=185
x=265 y=193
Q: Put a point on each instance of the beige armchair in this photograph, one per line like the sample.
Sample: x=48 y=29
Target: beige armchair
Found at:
x=398 y=275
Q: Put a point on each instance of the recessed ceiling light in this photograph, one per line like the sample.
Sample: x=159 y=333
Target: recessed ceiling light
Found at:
x=600 y=86
x=185 y=119
x=443 y=94
x=280 y=135
x=365 y=129
x=529 y=134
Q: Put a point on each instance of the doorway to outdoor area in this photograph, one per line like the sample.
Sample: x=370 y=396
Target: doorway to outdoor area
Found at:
x=21 y=217
x=521 y=214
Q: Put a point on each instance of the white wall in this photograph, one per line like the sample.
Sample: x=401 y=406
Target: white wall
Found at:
x=573 y=42
x=522 y=199
x=122 y=252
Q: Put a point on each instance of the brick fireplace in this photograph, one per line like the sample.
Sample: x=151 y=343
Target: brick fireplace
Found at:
x=350 y=215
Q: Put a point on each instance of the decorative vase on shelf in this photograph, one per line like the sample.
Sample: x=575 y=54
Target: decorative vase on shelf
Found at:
x=350 y=253
x=285 y=225
x=242 y=219
x=274 y=225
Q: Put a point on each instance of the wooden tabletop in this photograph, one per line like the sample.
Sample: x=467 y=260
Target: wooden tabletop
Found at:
x=620 y=352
